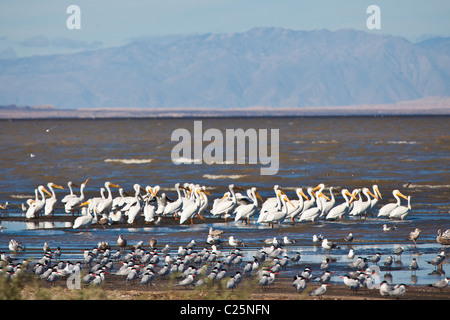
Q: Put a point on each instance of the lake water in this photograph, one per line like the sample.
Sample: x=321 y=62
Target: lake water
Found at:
x=411 y=154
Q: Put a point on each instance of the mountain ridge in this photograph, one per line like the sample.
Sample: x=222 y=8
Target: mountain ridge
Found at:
x=271 y=67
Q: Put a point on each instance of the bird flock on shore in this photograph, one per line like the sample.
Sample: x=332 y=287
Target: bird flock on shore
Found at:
x=188 y=267
x=192 y=201
x=221 y=264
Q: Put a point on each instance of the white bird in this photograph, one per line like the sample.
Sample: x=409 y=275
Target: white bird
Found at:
x=226 y=206
x=320 y=291
x=191 y=209
x=135 y=208
x=50 y=202
x=73 y=203
x=328 y=245
x=72 y=194
x=312 y=213
x=105 y=205
x=244 y=212
x=376 y=197
x=279 y=215
x=189 y=280
x=235 y=242
x=400 y=212
x=360 y=208
x=37 y=205
x=83 y=221
x=268 y=209
x=298 y=205
x=173 y=208
x=414 y=235
x=386 y=209
x=339 y=211
x=328 y=205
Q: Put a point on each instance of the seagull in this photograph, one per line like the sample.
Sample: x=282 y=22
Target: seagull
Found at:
x=349 y=237
x=121 y=242
x=441 y=284
x=317 y=238
x=389 y=227
x=376 y=258
x=414 y=235
x=351 y=254
x=235 y=242
x=399 y=290
x=413 y=266
x=352 y=284
x=388 y=261
x=320 y=291
x=186 y=281
x=398 y=252
x=328 y=245
x=299 y=283
x=385 y=289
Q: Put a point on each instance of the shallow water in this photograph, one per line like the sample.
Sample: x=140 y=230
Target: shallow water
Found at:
x=408 y=153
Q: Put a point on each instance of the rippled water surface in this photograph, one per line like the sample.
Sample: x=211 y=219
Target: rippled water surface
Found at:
x=408 y=153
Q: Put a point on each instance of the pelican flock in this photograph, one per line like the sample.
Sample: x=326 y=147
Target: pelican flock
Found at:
x=193 y=201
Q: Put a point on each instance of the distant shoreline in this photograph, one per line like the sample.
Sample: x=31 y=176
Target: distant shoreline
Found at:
x=430 y=106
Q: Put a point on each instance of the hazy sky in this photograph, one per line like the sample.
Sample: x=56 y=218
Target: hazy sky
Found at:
x=30 y=27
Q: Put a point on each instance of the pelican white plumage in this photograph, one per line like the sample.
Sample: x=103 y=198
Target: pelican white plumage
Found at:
x=278 y=216
x=50 y=202
x=190 y=210
x=136 y=206
x=339 y=211
x=400 y=212
x=66 y=198
x=376 y=197
x=328 y=205
x=73 y=203
x=226 y=206
x=38 y=204
x=360 y=208
x=264 y=213
x=298 y=204
x=312 y=213
x=387 y=208
x=244 y=212
x=149 y=211
x=311 y=202
x=83 y=221
x=174 y=207
x=271 y=202
x=105 y=205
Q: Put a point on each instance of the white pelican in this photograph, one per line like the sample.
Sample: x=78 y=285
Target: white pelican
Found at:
x=311 y=202
x=174 y=207
x=386 y=209
x=271 y=202
x=93 y=202
x=400 y=212
x=191 y=209
x=278 y=216
x=149 y=211
x=226 y=206
x=37 y=205
x=204 y=201
x=50 y=202
x=376 y=197
x=66 y=198
x=298 y=204
x=83 y=221
x=312 y=213
x=73 y=203
x=361 y=207
x=266 y=212
x=328 y=205
x=244 y=212
x=339 y=211
x=135 y=206
x=105 y=205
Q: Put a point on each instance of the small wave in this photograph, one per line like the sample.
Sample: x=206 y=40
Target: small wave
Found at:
x=324 y=141
x=223 y=176
x=428 y=186
x=129 y=161
x=183 y=160
x=22 y=196
x=401 y=142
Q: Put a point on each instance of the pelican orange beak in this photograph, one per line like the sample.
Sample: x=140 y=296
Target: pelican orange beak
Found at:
x=372 y=194
x=87 y=180
x=207 y=192
x=287 y=200
x=58 y=186
x=378 y=192
x=84 y=203
x=318 y=187
x=258 y=196
x=351 y=195
x=114 y=185
x=320 y=194
x=402 y=195
x=304 y=195
x=200 y=194
x=47 y=192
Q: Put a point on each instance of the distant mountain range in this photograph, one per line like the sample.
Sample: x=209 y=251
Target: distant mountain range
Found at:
x=265 y=67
